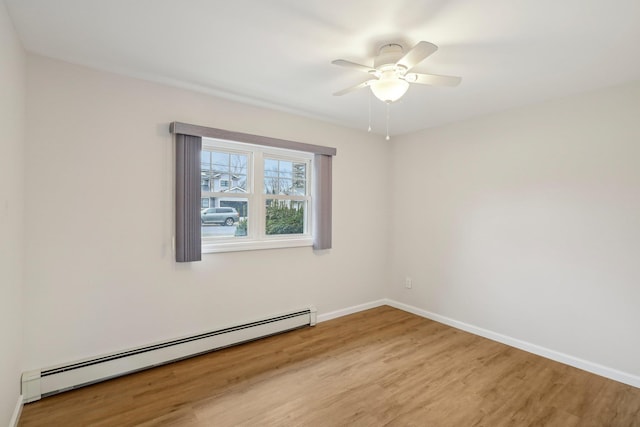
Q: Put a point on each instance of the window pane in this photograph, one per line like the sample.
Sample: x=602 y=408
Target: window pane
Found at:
x=239 y=183
x=205 y=161
x=205 y=169
x=299 y=179
x=204 y=182
x=223 y=182
x=238 y=163
x=224 y=223
x=270 y=185
x=285 y=169
x=284 y=217
x=271 y=167
x=285 y=177
x=299 y=188
x=224 y=172
x=285 y=186
x=220 y=161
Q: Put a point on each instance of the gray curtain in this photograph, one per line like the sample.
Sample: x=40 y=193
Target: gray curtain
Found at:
x=322 y=202
x=188 y=232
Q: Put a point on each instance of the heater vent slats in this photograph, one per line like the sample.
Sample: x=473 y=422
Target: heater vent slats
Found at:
x=77 y=374
x=114 y=356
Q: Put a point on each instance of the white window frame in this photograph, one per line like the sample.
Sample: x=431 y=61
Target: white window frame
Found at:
x=256 y=237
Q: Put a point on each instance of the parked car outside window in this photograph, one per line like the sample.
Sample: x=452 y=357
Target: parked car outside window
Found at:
x=224 y=216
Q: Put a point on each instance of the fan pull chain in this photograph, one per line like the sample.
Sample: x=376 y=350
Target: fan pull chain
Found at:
x=388 y=104
x=370 y=95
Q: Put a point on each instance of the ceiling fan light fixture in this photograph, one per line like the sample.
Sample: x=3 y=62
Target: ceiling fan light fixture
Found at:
x=389 y=78
x=389 y=89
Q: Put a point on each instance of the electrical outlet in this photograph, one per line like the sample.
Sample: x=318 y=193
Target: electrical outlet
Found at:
x=408 y=282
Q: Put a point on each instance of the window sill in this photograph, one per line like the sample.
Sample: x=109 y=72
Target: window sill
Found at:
x=253 y=245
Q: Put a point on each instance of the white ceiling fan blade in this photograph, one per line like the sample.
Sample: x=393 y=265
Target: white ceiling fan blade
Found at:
x=349 y=64
x=352 y=88
x=417 y=54
x=433 y=79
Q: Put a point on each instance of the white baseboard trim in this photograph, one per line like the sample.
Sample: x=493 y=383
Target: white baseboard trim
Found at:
x=576 y=362
x=16 y=412
x=350 y=310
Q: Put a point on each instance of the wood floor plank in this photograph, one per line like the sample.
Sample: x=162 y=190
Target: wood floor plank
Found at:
x=380 y=367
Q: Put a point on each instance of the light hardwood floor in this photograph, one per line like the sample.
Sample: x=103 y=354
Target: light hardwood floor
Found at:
x=374 y=368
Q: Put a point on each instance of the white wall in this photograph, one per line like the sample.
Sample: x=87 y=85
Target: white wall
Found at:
x=527 y=223
x=12 y=122
x=100 y=272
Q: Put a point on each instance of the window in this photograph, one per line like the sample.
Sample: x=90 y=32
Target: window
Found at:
x=290 y=165
x=258 y=197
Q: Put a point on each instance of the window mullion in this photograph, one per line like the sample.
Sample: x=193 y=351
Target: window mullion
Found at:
x=258 y=196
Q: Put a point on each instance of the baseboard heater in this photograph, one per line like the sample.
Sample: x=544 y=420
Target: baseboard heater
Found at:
x=45 y=382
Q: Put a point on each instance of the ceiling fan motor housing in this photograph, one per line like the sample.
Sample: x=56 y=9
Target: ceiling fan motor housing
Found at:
x=387 y=57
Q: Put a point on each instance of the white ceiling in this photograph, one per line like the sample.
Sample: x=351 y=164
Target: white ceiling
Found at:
x=278 y=53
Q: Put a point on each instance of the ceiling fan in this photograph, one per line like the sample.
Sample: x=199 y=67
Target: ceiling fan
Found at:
x=389 y=78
